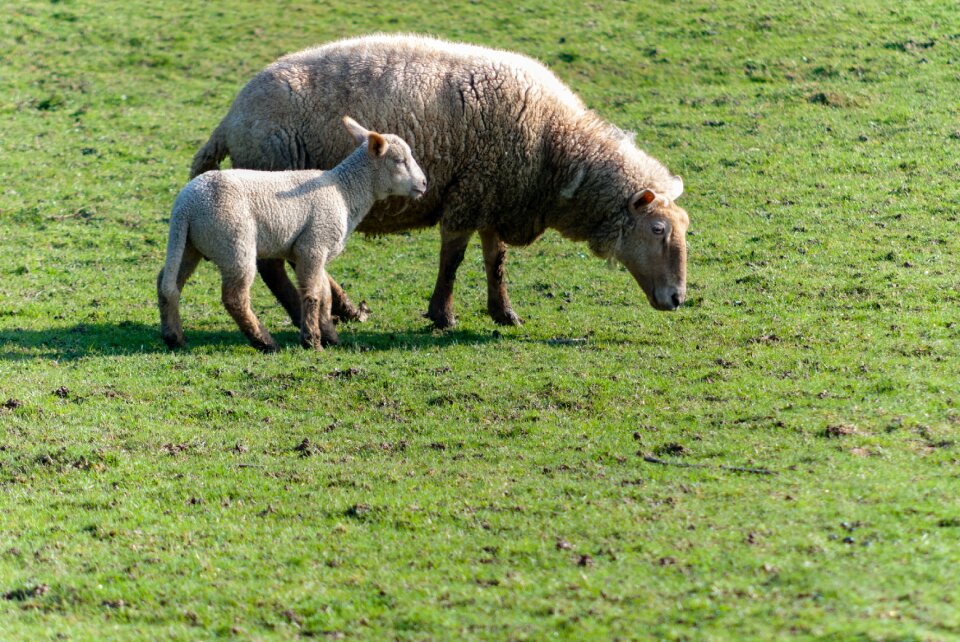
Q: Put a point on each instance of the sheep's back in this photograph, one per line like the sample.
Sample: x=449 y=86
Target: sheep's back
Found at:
x=474 y=118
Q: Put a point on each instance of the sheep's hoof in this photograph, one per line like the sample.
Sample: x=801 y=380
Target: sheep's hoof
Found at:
x=506 y=317
x=441 y=320
x=267 y=348
x=174 y=342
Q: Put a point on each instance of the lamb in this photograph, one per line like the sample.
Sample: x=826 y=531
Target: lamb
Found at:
x=235 y=217
x=509 y=151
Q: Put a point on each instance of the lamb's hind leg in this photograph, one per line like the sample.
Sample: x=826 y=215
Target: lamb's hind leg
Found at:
x=236 y=298
x=171 y=327
x=498 y=303
x=452 y=247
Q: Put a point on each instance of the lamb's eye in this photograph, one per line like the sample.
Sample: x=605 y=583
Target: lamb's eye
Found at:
x=399 y=161
x=658 y=228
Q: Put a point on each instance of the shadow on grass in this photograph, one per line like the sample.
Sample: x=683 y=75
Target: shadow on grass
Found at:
x=131 y=338
x=355 y=337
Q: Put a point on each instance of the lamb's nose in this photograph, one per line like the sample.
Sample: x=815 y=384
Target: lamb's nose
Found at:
x=676 y=299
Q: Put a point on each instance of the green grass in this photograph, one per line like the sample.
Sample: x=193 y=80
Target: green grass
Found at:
x=490 y=483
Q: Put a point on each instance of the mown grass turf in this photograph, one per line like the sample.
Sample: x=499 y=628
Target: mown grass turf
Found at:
x=486 y=482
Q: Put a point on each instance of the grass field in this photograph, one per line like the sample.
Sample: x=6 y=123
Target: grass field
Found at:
x=486 y=482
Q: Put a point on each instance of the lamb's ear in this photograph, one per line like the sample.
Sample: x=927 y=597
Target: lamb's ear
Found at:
x=358 y=131
x=676 y=188
x=641 y=199
x=376 y=144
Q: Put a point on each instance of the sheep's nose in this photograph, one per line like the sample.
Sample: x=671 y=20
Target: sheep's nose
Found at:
x=669 y=298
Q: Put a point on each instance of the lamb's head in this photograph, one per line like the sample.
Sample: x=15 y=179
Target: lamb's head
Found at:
x=395 y=172
x=653 y=245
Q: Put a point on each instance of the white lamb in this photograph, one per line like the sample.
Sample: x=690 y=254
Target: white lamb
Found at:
x=234 y=217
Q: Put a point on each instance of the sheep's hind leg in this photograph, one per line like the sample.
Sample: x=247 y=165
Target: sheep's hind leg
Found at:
x=494 y=256
x=452 y=248
x=275 y=276
x=341 y=306
x=236 y=298
x=171 y=327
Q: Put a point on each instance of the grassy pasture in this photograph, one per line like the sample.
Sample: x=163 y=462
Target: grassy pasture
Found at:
x=485 y=482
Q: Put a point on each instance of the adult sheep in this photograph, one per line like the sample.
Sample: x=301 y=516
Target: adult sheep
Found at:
x=508 y=151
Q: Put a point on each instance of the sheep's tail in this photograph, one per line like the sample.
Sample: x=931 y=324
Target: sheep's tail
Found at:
x=212 y=152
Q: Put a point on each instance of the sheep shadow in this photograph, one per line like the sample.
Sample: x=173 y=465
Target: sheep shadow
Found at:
x=356 y=337
x=127 y=338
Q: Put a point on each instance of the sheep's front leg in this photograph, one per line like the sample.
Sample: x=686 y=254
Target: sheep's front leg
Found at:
x=452 y=247
x=498 y=303
x=235 y=293
x=316 y=325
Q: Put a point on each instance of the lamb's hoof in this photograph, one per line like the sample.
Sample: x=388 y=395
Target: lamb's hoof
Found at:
x=506 y=317
x=174 y=342
x=363 y=312
x=311 y=343
x=349 y=313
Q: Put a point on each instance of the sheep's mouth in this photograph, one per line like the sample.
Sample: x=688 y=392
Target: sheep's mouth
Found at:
x=416 y=194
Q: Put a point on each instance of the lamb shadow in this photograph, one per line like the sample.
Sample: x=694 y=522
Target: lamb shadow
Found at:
x=131 y=338
x=88 y=339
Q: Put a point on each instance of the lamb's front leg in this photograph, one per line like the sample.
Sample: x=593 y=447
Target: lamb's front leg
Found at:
x=328 y=331
x=314 y=299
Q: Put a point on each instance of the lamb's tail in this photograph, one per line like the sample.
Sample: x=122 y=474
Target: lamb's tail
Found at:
x=168 y=294
x=176 y=244
x=212 y=152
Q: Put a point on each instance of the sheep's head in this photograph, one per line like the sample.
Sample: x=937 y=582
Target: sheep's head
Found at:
x=653 y=246
x=396 y=173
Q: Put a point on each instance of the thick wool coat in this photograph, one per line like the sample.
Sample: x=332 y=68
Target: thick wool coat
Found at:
x=505 y=145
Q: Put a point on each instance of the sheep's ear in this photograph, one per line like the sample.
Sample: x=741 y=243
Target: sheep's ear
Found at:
x=358 y=131
x=376 y=144
x=641 y=199
x=676 y=188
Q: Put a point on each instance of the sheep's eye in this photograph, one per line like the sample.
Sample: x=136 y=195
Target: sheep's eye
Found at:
x=399 y=161
x=658 y=228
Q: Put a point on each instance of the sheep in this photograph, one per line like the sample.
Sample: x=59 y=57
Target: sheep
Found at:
x=508 y=148
x=235 y=217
